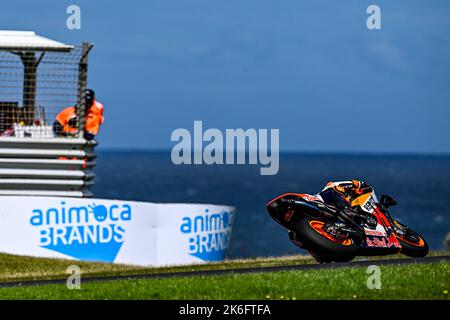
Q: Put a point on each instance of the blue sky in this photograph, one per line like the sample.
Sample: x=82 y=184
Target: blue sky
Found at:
x=310 y=68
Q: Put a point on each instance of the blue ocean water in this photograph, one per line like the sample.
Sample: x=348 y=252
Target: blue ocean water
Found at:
x=419 y=183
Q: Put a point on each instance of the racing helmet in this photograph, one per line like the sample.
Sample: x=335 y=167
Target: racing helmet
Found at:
x=361 y=187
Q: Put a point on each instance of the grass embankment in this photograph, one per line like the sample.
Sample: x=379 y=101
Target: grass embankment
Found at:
x=416 y=281
x=23 y=268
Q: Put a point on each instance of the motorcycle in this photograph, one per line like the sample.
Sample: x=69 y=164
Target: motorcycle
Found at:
x=332 y=235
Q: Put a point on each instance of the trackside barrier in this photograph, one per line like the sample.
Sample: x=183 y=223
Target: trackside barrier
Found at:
x=138 y=233
x=54 y=167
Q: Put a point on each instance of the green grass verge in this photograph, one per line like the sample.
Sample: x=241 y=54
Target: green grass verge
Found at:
x=22 y=268
x=415 y=281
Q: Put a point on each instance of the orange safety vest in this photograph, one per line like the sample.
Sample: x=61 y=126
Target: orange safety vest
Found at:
x=94 y=118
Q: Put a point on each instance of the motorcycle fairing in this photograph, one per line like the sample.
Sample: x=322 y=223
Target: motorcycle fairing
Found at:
x=383 y=236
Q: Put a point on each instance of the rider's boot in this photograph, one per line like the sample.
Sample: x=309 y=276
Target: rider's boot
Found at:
x=295 y=240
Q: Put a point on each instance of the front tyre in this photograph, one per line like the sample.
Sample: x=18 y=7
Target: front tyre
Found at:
x=323 y=245
x=413 y=244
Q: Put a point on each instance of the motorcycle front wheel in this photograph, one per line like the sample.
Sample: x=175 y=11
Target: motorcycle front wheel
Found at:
x=413 y=244
x=315 y=239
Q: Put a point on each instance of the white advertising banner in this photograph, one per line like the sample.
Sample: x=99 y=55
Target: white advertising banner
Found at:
x=117 y=231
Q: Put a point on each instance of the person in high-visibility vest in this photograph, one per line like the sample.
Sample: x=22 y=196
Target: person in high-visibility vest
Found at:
x=67 y=120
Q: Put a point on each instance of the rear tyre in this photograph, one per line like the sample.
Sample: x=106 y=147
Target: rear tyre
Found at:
x=324 y=246
x=413 y=244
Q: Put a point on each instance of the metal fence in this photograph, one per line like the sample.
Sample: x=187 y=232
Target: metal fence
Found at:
x=35 y=86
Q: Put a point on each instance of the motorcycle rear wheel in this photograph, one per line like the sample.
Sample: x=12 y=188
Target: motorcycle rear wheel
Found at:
x=310 y=232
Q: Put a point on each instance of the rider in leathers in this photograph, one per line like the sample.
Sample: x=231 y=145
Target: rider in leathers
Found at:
x=339 y=195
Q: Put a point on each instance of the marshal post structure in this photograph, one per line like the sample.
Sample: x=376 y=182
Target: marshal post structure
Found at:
x=47 y=208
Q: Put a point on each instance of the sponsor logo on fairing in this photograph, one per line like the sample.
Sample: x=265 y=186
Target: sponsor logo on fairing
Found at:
x=309 y=197
x=93 y=232
x=209 y=234
x=374 y=233
x=383 y=242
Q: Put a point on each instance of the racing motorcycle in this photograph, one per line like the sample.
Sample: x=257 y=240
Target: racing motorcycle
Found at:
x=332 y=235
